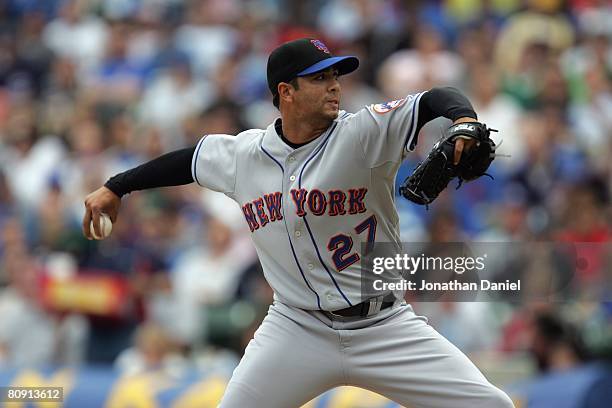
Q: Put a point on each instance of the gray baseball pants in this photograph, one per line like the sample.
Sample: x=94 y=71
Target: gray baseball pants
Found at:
x=296 y=355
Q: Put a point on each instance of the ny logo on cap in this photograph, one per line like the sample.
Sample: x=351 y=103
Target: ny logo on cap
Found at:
x=319 y=44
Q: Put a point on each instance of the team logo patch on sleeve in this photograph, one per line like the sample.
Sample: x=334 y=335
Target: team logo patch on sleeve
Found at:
x=388 y=106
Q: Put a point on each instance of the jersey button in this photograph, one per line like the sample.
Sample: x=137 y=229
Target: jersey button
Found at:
x=310 y=266
x=292 y=159
x=292 y=178
x=330 y=297
x=298 y=233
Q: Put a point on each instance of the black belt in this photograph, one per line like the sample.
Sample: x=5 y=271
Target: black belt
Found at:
x=367 y=308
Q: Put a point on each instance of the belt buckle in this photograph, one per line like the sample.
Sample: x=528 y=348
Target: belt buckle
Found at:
x=374 y=305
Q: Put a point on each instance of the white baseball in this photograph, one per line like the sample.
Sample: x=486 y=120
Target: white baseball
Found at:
x=106 y=226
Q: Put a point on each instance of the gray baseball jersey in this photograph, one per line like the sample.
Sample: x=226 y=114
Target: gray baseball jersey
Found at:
x=309 y=209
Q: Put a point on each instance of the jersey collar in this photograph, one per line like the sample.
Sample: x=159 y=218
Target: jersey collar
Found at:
x=274 y=144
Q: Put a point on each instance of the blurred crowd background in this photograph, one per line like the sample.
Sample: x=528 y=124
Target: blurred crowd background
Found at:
x=89 y=88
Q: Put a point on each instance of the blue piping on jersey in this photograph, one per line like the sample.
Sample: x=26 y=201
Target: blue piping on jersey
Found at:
x=319 y=149
x=289 y=235
x=415 y=108
x=194 y=159
x=346 y=114
x=273 y=159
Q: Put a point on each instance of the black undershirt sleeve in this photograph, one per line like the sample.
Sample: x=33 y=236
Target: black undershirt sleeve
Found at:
x=174 y=168
x=442 y=101
x=170 y=169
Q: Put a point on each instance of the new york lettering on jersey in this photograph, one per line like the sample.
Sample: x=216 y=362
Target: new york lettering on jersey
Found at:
x=315 y=202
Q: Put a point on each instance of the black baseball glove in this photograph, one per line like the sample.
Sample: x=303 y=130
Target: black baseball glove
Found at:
x=433 y=174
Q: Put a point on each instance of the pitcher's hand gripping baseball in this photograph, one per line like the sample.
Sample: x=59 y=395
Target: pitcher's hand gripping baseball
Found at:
x=100 y=201
x=433 y=174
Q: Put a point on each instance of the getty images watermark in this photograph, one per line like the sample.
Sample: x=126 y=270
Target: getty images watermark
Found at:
x=477 y=271
x=410 y=265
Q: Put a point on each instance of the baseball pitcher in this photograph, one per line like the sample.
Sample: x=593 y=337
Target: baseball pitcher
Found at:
x=314 y=186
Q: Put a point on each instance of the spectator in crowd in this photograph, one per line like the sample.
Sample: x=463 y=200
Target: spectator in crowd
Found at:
x=555 y=344
x=78 y=34
x=427 y=65
x=153 y=350
x=29 y=334
x=173 y=96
